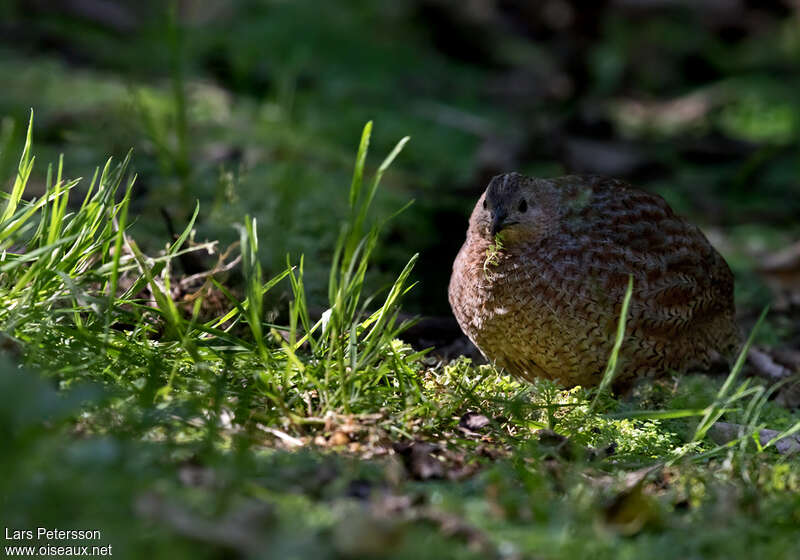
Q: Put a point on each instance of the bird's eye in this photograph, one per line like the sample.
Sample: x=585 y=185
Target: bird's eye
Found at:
x=484 y=204
x=523 y=206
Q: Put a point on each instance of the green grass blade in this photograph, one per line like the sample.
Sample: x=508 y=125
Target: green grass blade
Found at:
x=714 y=413
x=23 y=173
x=611 y=365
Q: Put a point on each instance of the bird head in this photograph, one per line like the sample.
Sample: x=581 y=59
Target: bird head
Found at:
x=516 y=207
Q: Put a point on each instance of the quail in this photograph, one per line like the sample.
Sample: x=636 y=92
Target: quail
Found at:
x=539 y=283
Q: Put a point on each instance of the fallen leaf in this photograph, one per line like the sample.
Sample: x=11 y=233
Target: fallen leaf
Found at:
x=339 y=438
x=473 y=421
x=419 y=460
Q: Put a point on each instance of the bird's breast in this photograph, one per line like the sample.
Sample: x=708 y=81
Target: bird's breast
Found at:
x=500 y=293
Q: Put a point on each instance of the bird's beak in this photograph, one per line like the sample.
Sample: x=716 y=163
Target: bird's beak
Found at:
x=498 y=223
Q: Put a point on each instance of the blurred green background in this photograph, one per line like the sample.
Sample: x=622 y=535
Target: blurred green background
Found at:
x=255 y=106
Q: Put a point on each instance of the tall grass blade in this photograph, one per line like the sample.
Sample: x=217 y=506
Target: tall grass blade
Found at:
x=720 y=402
x=23 y=173
x=611 y=365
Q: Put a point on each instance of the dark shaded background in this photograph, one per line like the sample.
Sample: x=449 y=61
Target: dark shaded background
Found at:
x=256 y=107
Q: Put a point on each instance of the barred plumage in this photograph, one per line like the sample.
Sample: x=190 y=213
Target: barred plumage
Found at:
x=547 y=303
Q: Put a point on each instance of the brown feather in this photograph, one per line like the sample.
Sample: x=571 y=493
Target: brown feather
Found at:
x=547 y=304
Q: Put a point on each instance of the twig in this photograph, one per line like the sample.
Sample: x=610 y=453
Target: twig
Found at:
x=766 y=366
x=723 y=432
